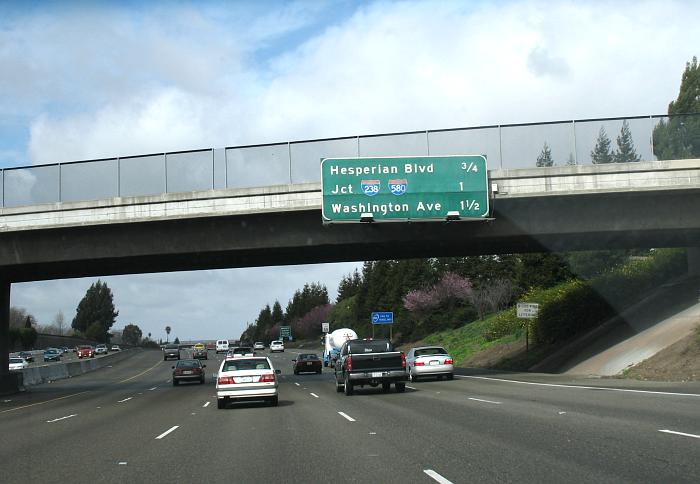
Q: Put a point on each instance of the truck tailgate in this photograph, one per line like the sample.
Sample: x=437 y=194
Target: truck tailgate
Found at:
x=377 y=361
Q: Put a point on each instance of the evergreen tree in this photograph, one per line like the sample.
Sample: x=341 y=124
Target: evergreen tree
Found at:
x=545 y=157
x=96 y=307
x=277 y=313
x=626 y=152
x=679 y=137
x=602 y=151
x=131 y=334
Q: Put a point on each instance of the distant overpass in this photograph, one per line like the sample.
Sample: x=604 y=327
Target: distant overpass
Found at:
x=646 y=204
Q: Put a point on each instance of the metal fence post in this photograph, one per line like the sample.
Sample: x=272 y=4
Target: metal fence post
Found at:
x=213 y=169
x=119 y=177
x=500 y=146
x=165 y=165
x=289 y=154
x=573 y=127
x=427 y=141
x=60 y=172
x=358 y=146
x=651 y=137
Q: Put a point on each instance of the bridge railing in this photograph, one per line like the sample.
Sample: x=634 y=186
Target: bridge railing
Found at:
x=506 y=146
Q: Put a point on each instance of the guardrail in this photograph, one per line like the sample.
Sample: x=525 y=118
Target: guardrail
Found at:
x=505 y=146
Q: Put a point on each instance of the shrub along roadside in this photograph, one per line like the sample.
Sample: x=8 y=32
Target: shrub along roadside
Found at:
x=567 y=309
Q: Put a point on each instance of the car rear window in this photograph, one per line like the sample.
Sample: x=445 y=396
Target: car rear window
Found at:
x=308 y=357
x=15 y=360
x=242 y=351
x=172 y=347
x=238 y=365
x=188 y=364
x=431 y=351
x=369 y=346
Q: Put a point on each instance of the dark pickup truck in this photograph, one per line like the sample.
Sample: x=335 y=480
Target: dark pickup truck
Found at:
x=370 y=362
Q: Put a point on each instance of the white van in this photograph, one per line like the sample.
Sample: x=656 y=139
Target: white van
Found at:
x=221 y=345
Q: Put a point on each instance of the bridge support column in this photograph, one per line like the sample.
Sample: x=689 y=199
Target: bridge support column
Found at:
x=9 y=382
x=693 y=261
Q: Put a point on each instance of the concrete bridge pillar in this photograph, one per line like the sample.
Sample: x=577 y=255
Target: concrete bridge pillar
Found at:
x=8 y=381
x=693 y=261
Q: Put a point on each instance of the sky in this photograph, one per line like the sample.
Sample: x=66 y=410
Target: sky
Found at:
x=85 y=80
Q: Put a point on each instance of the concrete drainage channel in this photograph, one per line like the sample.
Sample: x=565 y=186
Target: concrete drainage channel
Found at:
x=43 y=374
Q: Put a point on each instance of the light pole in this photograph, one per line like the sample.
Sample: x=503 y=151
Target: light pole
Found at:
x=167 y=332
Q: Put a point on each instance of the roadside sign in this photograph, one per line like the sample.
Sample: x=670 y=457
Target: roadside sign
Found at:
x=528 y=310
x=383 y=318
x=405 y=188
x=325 y=327
x=285 y=331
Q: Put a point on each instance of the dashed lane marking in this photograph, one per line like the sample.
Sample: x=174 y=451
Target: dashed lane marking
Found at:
x=485 y=401
x=171 y=429
x=313 y=395
x=437 y=477
x=346 y=416
x=125 y=400
x=666 y=431
x=206 y=404
x=62 y=418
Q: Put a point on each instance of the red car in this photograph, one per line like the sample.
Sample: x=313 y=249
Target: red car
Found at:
x=307 y=362
x=86 y=352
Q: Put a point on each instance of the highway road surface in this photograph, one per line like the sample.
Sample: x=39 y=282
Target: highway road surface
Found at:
x=128 y=423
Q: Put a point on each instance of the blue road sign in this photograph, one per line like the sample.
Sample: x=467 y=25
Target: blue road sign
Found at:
x=383 y=318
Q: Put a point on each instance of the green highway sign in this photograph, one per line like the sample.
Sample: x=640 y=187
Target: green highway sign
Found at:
x=285 y=331
x=404 y=188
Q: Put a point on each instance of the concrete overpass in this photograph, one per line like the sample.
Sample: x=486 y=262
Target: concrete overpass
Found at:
x=646 y=204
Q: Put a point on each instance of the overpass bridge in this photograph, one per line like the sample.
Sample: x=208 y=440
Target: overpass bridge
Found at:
x=202 y=210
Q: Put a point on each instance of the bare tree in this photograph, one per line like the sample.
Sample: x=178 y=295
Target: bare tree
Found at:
x=59 y=321
x=499 y=294
x=480 y=300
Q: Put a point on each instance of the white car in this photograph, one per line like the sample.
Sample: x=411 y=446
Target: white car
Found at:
x=246 y=379
x=221 y=345
x=17 y=363
x=116 y=348
x=429 y=361
x=259 y=345
x=276 y=346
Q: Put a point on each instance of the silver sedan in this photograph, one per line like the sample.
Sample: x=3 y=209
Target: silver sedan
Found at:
x=429 y=361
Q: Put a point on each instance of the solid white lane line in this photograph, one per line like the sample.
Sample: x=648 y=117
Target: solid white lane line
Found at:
x=485 y=401
x=345 y=415
x=412 y=388
x=437 y=477
x=206 y=404
x=167 y=432
x=125 y=400
x=313 y=395
x=151 y=389
x=42 y=403
x=62 y=418
x=680 y=433
x=581 y=387
x=297 y=384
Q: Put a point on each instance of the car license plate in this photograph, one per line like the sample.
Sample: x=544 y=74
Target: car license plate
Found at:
x=308 y=363
x=246 y=379
x=434 y=362
x=187 y=372
x=376 y=374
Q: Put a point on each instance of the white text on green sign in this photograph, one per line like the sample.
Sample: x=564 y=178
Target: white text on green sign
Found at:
x=426 y=187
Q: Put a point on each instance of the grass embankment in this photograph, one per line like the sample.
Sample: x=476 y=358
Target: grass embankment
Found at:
x=566 y=311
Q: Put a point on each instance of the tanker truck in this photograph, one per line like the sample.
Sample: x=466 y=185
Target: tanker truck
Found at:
x=332 y=343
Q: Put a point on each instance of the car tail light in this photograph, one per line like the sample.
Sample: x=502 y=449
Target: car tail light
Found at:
x=267 y=378
x=419 y=363
x=348 y=363
x=225 y=380
x=178 y=371
x=403 y=360
x=448 y=361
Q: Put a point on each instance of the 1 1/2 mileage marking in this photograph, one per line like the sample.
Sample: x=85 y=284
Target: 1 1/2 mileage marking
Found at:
x=405 y=188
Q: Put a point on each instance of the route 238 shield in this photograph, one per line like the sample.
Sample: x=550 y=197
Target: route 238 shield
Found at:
x=397 y=187
x=370 y=187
